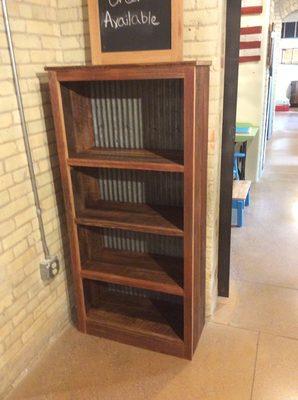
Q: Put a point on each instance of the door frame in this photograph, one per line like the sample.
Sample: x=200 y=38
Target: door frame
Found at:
x=233 y=22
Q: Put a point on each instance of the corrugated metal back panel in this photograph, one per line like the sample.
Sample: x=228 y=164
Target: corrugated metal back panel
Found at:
x=142 y=242
x=138 y=114
x=135 y=115
x=158 y=188
x=131 y=291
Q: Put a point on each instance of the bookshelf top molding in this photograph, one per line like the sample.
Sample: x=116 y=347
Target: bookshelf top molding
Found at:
x=141 y=66
x=175 y=70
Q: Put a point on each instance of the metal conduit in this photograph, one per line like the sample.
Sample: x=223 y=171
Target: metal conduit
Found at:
x=25 y=131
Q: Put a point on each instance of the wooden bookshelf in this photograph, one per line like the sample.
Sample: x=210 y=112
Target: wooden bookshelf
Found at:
x=140 y=159
x=132 y=146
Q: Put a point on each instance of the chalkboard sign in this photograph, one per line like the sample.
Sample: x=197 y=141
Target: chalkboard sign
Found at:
x=128 y=31
x=135 y=25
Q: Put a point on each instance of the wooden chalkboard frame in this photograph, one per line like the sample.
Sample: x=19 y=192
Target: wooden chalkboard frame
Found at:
x=131 y=57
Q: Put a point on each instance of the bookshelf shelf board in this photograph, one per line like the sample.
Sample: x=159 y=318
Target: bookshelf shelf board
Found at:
x=138 y=159
x=146 y=271
x=133 y=216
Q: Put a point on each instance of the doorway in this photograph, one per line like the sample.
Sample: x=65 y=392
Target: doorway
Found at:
x=265 y=139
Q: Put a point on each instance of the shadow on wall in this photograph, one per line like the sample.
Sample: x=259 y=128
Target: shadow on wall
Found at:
x=52 y=147
x=53 y=156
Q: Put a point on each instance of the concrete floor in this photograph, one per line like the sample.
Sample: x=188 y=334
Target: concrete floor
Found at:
x=249 y=349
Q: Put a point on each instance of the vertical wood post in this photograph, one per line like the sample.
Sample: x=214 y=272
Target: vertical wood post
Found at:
x=228 y=139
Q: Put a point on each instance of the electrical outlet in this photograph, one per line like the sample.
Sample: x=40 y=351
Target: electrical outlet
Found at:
x=49 y=268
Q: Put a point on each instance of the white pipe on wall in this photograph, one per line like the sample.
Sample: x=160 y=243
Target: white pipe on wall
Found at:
x=25 y=131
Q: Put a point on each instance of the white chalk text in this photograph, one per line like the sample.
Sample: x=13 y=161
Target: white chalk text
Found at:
x=129 y=18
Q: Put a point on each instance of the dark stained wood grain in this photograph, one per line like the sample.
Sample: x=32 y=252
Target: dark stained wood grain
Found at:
x=146 y=271
x=138 y=159
x=173 y=65
x=76 y=103
x=85 y=186
x=200 y=193
x=133 y=216
x=189 y=155
x=56 y=101
x=150 y=71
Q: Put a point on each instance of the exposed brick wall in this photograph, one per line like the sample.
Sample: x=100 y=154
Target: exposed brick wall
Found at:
x=56 y=32
x=75 y=42
x=31 y=313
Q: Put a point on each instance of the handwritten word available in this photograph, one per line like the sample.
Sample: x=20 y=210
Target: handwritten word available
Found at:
x=130 y=19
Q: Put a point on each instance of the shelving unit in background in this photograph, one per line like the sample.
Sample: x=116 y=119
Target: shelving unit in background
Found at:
x=132 y=145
